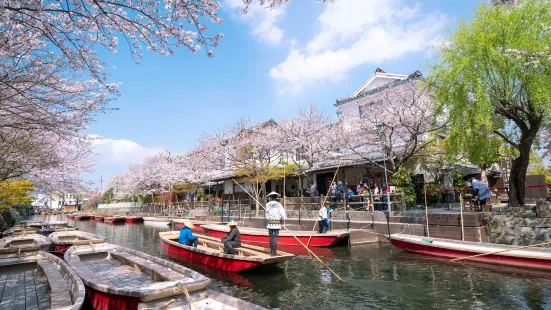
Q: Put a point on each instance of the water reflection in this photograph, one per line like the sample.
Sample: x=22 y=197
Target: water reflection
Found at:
x=375 y=276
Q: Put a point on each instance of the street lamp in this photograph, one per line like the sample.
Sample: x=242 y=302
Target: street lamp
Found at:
x=381 y=129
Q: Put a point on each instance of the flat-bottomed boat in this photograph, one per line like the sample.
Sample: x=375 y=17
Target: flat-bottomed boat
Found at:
x=258 y=235
x=62 y=240
x=210 y=252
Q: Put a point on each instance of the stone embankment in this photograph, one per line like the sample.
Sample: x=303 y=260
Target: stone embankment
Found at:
x=522 y=225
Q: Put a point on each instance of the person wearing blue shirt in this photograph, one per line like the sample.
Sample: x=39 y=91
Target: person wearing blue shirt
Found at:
x=480 y=191
x=186 y=237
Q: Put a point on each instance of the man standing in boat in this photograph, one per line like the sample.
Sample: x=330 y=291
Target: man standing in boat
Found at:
x=480 y=191
x=186 y=237
x=232 y=240
x=275 y=215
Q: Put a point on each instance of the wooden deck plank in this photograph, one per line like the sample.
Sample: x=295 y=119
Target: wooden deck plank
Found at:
x=7 y=294
x=31 y=300
x=60 y=293
x=19 y=293
x=41 y=290
x=3 y=279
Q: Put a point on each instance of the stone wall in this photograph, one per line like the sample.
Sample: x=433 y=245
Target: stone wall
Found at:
x=522 y=225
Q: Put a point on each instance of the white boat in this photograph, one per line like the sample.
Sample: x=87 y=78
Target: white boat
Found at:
x=31 y=240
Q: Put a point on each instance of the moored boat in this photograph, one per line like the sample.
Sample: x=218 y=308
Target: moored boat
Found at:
x=62 y=240
x=203 y=300
x=134 y=219
x=120 y=278
x=31 y=279
x=210 y=251
x=19 y=230
x=179 y=223
x=31 y=240
x=82 y=217
x=509 y=255
x=99 y=218
x=257 y=235
x=157 y=221
x=114 y=219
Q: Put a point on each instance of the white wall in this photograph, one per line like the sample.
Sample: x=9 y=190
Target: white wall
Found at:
x=120 y=206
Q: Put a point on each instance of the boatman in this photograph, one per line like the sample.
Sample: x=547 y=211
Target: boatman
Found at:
x=275 y=215
x=186 y=237
x=323 y=221
x=480 y=191
x=232 y=240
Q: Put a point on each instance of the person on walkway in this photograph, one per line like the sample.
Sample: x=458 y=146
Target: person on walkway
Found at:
x=350 y=195
x=359 y=187
x=232 y=240
x=480 y=191
x=323 y=221
x=275 y=215
x=313 y=190
x=186 y=237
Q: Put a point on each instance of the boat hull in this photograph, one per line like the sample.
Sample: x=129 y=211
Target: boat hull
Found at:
x=208 y=260
x=105 y=301
x=115 y=220
x=492 y=259
x=99 y=218
x=318 y=240
x=134 y=219
x=197 y=228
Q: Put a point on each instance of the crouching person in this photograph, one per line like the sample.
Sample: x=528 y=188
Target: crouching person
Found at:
x=232 y=240
x=186 y=237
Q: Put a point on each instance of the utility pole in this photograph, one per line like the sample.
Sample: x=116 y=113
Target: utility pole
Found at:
x=101 y=184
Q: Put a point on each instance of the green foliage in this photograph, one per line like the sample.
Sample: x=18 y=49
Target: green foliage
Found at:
x=107 y=195
x=492 y=79
x=457 y=178
x=433 y=197
x=403 y=180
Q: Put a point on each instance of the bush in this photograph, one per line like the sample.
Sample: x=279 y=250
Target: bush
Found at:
x=433 y=197
x=403 y=180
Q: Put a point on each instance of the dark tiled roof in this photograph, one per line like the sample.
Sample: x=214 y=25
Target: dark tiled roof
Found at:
x=410 y=78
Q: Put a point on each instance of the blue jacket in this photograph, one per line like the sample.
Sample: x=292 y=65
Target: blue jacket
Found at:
x=185 y=235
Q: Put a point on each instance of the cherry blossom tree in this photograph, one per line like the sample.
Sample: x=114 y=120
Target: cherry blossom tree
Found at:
x=309 y=138
x=405 y=110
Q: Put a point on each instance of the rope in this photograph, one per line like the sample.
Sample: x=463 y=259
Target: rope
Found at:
x=501 y=251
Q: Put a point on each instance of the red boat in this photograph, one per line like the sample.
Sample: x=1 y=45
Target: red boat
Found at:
x=99 y=218
x=501 y=254
x=62 y=240
x=257 y=235
x=134 y=219
x=82 y=217
x=114 y=219
x=92 y=216
x=209 y=252
x=179 y=223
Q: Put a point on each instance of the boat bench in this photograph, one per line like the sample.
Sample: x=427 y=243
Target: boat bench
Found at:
x=59 y=290
x=241 y=251
x=140 y=263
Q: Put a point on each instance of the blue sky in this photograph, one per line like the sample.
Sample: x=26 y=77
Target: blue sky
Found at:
x=269 y=64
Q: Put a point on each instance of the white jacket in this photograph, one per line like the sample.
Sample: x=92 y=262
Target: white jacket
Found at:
x=274 y=212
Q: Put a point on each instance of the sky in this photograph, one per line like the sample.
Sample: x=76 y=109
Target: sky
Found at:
x=269 y=64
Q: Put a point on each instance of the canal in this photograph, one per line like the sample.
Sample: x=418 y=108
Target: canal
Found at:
x=375 y=277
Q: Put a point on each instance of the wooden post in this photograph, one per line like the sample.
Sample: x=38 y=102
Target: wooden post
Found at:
x=427 y=213
x=461 y=212
x=403 y=202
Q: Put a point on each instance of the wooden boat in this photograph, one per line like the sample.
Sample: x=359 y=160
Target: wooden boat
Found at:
x=62 y=240
x=82 y=217
x=114 y=219
x=134 y=219
x=120 y=278
x=31 y=279
x=179 y=223
x=33 y=240
x=210 y=252
x=99 y=218
x=258 y=235
x=19 y=230
x=204 y=300
x=159 y=220
x=36 y=224
x=527 y=258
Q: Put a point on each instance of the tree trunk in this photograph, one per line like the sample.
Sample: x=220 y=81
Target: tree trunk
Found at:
x=517 y=178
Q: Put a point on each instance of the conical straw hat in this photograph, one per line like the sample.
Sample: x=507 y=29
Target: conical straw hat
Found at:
x=189 y=224
x=273 y=194
x=232 y=223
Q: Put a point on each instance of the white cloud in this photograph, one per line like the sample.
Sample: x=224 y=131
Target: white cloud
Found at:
x=261 y=19
x=120 y=151
x=352 y=33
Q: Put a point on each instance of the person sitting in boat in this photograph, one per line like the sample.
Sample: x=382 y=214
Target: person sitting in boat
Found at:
x=323 y=221
x=275 y=215
x=232 y=240
x=480 y=191
x=186 y=237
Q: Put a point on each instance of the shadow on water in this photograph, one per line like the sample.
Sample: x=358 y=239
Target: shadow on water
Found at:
x=375 y=277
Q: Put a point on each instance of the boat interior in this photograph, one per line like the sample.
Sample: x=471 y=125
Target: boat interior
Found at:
x=202 y=300
x=20 y=243
x=211 y=244
x=37 y=281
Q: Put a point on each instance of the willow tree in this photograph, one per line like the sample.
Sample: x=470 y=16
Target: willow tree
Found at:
x=492 y=77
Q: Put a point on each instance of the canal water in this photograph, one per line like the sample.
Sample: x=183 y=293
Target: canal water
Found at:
x=375 y=277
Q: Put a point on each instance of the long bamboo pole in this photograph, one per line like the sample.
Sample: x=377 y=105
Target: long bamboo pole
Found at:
x=324 y=201
x=461 y=209
x=501 y=251
x=290 y=232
